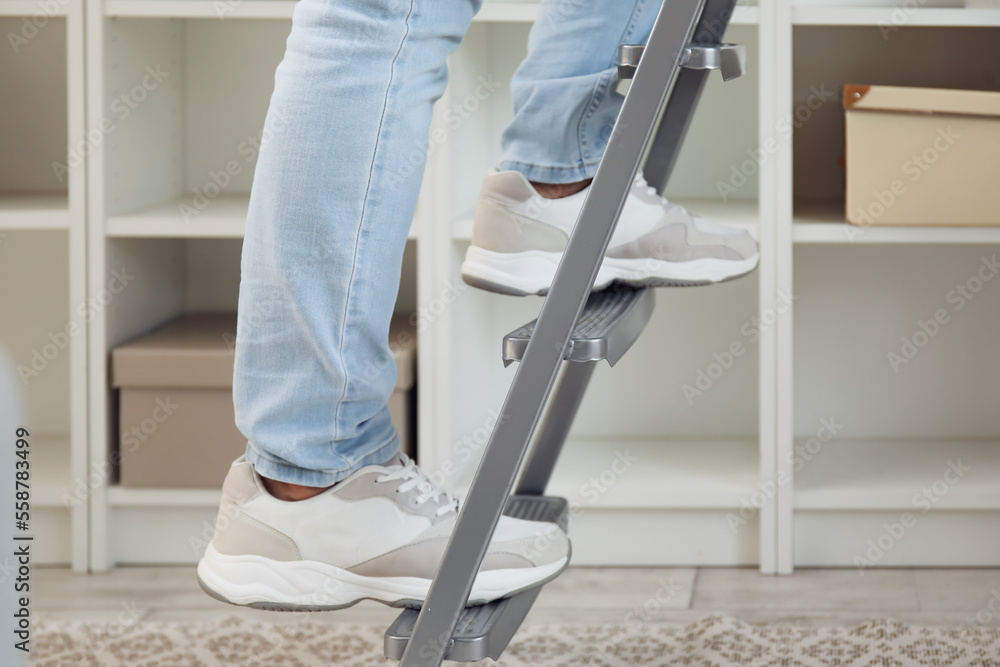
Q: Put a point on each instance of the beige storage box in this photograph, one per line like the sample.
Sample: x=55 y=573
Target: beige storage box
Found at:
x=922 y=156
x=177 y=427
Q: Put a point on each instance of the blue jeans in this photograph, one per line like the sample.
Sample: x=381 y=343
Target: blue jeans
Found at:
x=331 y=203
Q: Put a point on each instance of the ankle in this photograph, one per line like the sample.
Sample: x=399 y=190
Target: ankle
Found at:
x=291 y=492
x=559 y=190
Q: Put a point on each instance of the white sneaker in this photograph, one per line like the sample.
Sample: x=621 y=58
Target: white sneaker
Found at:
x=379 y=534
x=518 y=239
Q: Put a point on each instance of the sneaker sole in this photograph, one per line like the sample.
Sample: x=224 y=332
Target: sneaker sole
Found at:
x=305 y=585
x=531 y=272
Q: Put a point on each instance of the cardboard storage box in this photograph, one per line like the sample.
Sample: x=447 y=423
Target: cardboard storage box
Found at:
x=922 y=156
x=177 y=426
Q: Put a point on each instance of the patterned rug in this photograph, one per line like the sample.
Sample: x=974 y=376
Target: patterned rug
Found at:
x=714 y=641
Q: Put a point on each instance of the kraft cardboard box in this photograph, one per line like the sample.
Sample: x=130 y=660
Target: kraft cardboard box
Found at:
x=176 y=420
x=922 y=156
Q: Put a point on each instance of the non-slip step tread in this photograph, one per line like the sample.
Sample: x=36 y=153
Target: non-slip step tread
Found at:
x=485 y=630
x=608 y=326
x=539 y=508
x=482 y=632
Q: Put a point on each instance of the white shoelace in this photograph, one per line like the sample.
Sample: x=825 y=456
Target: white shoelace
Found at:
x=699 y=222
x=417 y=479
x=650 y=190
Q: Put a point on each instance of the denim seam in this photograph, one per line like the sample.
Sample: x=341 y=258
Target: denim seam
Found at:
x=585 y=163
x=361 y=226
x=595 y=100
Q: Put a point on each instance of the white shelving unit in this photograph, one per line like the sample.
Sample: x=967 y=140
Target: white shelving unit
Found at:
x=878 y=492
x=199 y=87
x=686 y=453
x=42 y=262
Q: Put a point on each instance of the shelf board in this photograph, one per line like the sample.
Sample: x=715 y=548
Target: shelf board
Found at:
x=891 y=16
x=823 y=222
x=741 y=213
x=889 y=474
x=277 y=9
x=674 y=473
x=224 y=217
x=31 y=8
x=527 y=12
x=669 y=473
x=508 y=12
x=119 y=496
x=491 y=12
x=50 y=471
x=216 y=9
x=681 y=473
x=34 y=211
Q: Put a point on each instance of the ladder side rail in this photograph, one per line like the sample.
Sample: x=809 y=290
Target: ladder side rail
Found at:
x=574 y=279
x=568 y=394
x=555 y=427
x=684 y=98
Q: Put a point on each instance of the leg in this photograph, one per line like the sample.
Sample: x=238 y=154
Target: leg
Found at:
x=565 y=107
x=333 y=197
x=564 y=100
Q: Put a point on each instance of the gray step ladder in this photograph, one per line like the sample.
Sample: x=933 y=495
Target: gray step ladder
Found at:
x=575 y=326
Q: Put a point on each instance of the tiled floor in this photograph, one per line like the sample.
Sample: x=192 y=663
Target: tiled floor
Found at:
x=584 y=595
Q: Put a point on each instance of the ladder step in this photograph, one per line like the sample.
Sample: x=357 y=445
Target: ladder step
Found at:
x=608 y=326
x=485 y=630
x=539 y=508
x=729 y=59
x=482 y=632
